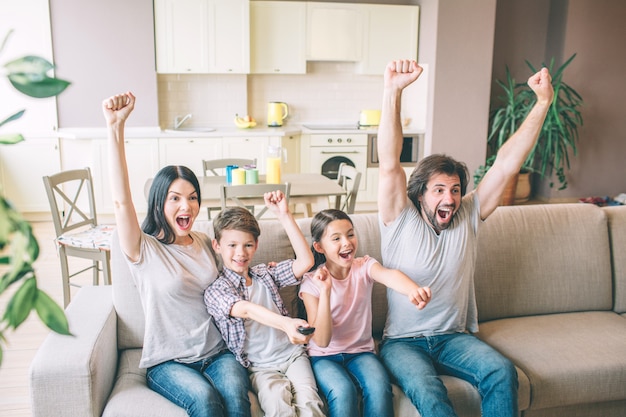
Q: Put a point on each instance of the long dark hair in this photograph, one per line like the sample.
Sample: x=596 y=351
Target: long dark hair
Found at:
x=434 y=164
x=318 y=227
x=155 y=223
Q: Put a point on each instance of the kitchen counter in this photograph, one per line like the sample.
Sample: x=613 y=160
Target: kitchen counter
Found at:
x=220 y=131
x=155 y=132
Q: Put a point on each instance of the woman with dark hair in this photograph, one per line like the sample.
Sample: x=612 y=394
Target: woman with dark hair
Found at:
x=337 y=298
x=186 y=358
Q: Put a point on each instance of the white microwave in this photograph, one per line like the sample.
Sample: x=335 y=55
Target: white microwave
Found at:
x=411 y=150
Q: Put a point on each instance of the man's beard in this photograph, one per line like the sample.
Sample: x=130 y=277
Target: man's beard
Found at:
x=431 y=215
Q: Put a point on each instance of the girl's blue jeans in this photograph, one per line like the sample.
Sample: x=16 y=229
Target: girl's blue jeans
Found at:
x=217 y=386
x=342 y=377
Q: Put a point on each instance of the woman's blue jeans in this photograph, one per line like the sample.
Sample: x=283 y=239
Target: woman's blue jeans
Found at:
x=414 y=363
x=342 y=377
x=217 y=386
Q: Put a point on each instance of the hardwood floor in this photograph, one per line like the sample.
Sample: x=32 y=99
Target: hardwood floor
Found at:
x=23 y=343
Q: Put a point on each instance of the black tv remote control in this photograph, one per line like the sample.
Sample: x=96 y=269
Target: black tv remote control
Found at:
x=306 y=330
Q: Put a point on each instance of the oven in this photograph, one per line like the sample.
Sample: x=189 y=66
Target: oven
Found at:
x=327 y=151
x=412 y=150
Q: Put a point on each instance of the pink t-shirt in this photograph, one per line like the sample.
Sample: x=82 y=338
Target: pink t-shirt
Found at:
x=350 y=309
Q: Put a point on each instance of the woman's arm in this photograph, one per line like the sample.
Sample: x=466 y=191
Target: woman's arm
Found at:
x=398 y=281
x=116 y=110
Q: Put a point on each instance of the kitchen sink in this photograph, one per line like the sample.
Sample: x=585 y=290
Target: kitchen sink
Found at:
x=190 y=129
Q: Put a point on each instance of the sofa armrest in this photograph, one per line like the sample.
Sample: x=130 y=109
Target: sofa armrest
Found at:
x=73 y=375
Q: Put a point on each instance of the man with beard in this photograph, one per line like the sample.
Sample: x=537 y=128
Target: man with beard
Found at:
x=428 y=231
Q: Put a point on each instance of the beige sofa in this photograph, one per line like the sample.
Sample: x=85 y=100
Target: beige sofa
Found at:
x=551 y=293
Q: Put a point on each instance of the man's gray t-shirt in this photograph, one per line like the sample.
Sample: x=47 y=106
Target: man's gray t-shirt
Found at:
x=443 y=262
x=171 y=280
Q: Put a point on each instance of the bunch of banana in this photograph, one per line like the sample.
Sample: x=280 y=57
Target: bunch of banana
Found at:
x=244 y=122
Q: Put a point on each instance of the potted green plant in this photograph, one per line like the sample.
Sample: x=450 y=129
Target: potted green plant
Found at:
x=559 y=133
x=18 y=246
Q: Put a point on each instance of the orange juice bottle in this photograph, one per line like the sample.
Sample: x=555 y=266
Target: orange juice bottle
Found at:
x=274 y=159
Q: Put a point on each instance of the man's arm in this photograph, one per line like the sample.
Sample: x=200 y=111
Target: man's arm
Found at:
x=391 y=177
x=515 y=150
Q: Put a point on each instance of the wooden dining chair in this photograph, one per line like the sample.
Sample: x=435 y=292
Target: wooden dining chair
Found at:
x=217 y=167
x=78 y=234
x=349 y=179
x=238 y=194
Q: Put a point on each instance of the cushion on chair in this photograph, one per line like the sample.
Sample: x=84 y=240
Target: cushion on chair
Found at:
x=98 y=237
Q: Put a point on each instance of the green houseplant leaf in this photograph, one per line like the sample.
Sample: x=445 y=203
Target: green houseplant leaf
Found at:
x=558 y=136
x=19 y=248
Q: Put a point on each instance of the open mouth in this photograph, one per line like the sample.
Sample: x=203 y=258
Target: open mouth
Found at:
x=345 y=255
x=183 y=221
x=444 y=212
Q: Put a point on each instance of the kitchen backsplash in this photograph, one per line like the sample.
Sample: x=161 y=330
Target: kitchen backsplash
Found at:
x=328 y=92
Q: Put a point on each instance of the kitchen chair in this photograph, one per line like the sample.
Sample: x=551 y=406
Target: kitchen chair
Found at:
x=78 y=234
x=211 y=166
x=346 y=174
x=237 y=193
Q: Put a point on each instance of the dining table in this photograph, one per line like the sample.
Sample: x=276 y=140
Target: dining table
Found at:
x=306 y=189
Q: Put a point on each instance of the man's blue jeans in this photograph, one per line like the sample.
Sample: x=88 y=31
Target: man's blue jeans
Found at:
x=415 y=363
x=343 y=376
x=217 y=386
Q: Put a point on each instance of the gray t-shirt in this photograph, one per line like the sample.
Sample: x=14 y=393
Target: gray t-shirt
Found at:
x=171 y=280
x=267 y=347
x=443 y=262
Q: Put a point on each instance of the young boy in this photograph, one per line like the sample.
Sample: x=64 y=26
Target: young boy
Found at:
x=251 y=316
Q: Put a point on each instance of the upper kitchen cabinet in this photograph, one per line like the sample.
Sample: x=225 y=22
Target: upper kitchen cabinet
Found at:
x=390 y=32
x=202 y=36
x=229 y=36
x=334 y=31
x=278 y=37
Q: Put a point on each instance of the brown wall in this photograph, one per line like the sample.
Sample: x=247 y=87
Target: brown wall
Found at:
x=537 y=30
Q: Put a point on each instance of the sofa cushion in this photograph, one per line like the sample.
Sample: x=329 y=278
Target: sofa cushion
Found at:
x=571 y=358
x=617 y=233
x=543 y=259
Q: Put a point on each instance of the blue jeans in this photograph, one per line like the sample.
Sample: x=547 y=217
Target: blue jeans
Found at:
x=217 y=386
x=415 y=363
x=343 y=376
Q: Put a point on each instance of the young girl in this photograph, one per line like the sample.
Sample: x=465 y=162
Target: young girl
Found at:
x=337 y=298
x=186 y=359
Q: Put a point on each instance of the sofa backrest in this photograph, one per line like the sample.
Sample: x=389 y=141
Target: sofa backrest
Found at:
x=617 y=234
x=543 y=259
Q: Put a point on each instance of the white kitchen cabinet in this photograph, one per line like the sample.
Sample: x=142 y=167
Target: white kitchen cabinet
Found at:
x=371 y=192
x=390 y=32
x=334 y=31
x=142 y=158
x=248 y=147
x=278 y=37
x=229 y=36
x=189 y=152
x=181 y=36
x=22 y=167
x=202 y=36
